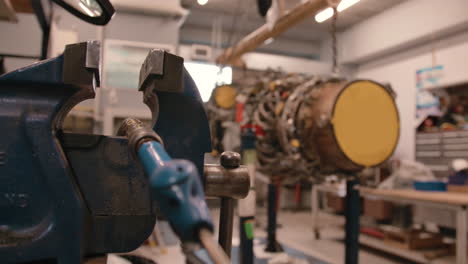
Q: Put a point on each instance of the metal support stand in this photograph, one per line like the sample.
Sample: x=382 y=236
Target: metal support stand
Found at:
x=315 y=211
x=228 y=182
x=297 y=197
x=226 y=220
x=246 y=254
x=246 y=207
x=353 y=210
x=272 y=244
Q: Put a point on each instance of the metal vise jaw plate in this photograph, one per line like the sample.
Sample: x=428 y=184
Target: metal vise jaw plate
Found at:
x=178 y=112
x=160 y=72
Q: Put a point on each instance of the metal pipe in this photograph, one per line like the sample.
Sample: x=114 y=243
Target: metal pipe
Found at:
x=353 y=211
x=272 y=243
x=258 y=37
x=226 y=223
x=246 y=253
x=228 y=181
x=223 y=182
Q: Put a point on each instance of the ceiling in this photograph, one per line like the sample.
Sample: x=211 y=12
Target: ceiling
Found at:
x=241 y=17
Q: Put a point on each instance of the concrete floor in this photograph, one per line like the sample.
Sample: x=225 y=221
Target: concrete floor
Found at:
x=295 y=232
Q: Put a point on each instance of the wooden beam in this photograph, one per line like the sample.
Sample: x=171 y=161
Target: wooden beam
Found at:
x=258 y=37
x=22 y=6
x=7 y=13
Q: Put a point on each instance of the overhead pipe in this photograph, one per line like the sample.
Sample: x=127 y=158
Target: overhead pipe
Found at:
x=258 y=37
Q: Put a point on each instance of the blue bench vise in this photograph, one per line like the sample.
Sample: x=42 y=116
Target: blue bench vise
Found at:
x=66 y=197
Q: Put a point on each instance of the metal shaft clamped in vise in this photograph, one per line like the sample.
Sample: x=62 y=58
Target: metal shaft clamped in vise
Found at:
x=229 y=181
x=175 y=184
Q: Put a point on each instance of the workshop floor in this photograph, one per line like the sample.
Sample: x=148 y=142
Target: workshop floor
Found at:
x=295 y=235
x=295 y=232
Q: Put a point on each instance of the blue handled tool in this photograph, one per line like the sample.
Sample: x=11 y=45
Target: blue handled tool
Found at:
x=175 y=186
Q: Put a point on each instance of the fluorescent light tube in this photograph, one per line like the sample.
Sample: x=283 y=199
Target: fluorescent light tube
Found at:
x=328 y=12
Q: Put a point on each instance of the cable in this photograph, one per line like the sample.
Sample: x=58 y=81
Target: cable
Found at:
x=233 y=23
x=335 y=69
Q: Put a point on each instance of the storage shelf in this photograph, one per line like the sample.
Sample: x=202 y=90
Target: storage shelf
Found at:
x=378 y=244
x=417 y=256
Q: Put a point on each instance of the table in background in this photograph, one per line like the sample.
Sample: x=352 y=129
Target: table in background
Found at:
x=456 y=202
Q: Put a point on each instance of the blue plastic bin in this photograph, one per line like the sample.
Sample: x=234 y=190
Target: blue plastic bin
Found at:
x=431 y=186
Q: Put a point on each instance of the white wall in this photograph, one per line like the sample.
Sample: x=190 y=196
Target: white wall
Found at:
x=123 y=26
x=406 y=25
x=263 y=61
x=391 y=46
x=400 y=71
x=22 y=38
x=284 y=46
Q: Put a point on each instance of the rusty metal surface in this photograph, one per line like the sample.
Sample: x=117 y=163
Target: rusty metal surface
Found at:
x=298 y=139
x=275 y=115
x=318 y=134
x=222 y=182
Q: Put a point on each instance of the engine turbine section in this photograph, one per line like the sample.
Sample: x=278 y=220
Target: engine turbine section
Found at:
x=316 y=126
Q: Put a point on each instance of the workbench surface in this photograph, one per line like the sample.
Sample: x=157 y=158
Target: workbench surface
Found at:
x=423 y=196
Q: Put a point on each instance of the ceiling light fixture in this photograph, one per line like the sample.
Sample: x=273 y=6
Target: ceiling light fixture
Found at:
x=328 y=13
x=268 y=41
x=202 y=2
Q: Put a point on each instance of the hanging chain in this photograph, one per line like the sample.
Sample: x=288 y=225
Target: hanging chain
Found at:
x=334 y=41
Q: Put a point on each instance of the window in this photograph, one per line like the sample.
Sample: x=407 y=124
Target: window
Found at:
x=207 y=76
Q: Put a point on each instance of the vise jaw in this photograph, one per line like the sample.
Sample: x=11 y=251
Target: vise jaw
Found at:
x=64 y=196
x=172 y=96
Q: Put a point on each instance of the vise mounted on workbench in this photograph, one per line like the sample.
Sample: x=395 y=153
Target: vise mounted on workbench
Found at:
x=64 y=196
